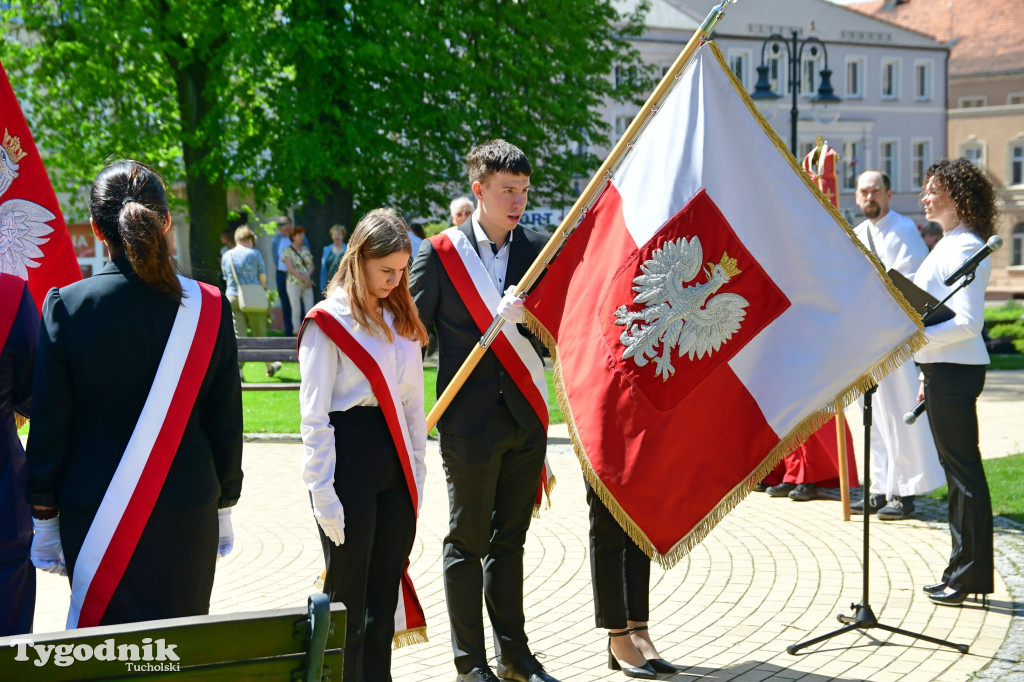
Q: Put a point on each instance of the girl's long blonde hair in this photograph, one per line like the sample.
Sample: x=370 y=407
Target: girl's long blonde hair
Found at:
x=379 y=234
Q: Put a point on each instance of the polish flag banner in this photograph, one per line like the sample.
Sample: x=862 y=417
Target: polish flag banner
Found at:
x=34 y=241
x=710 y=311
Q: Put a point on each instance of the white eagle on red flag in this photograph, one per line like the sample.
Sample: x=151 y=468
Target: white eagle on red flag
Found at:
x=792 y=323
x=23 y=224
x=689 y=318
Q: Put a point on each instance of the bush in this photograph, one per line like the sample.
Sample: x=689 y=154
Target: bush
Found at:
x=430 y=229
x=1013 y=330
x=1008 y=312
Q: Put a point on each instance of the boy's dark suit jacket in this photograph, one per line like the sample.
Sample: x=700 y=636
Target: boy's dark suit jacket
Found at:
x=440 y=306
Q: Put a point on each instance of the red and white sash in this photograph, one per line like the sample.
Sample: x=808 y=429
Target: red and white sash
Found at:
x=363 y=350
x=12 y=288
x=140 y=475
x=461 y=261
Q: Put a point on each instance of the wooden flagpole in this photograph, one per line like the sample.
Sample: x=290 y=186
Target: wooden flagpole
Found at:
x=583 y=203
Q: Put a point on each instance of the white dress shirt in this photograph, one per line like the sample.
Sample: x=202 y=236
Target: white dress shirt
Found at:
x=897 y=242
x=957 y=340
x=496 y=264
x=331 y=382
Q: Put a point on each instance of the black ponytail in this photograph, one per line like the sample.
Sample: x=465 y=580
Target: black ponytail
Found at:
x=129 y=207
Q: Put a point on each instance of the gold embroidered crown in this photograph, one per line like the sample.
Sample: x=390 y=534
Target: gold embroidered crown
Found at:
x=12 y=145
x=729 y=265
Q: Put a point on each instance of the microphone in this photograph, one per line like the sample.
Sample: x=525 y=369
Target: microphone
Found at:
x=994 y=243
x=911 y=417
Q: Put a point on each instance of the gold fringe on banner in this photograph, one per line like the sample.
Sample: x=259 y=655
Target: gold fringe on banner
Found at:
x=410 y=636
x=19 y=421
x=902 y=353
x=548 y=487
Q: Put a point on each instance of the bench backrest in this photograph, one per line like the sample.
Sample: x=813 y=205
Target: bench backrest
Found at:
x=284 y=644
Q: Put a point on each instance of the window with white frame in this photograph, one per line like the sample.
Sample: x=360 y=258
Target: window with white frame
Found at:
x=972 y=101
x=1016 y=155
x=852 y=163
x=888 y=156
x=776 y=73
x=1015 y=98
x=809 y=68
x=1017 y=245
x=921 y=158
x=890 y=79
x=855 y=77
x=621 y=123
x=973 y=152
x=923 y=80
x=739 y=64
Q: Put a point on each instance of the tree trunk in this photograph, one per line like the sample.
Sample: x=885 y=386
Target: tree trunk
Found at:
x=207 y=196
x=318 y=215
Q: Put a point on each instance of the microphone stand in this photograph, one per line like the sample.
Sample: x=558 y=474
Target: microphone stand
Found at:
x=864 y=618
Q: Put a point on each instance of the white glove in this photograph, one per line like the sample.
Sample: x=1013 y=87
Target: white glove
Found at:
x=46 y=552
x=330 y=515
x=227 y=534
x=511 y=307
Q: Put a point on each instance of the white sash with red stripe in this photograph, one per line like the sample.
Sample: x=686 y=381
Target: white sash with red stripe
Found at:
x=140 y=475
x=363 y=350
x=461 y=260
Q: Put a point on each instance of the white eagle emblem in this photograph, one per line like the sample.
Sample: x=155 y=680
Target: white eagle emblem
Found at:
x=675 y=315
x=23 y=224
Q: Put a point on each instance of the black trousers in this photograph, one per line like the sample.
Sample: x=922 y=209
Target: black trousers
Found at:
x=619 y=569
x=492 y=483
x=365 y=572
x=286 y=304
x=17 y=587
x=951 y=393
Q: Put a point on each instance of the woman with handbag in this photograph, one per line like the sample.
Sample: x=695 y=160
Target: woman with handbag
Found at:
x=243 y=270
x=299 y=260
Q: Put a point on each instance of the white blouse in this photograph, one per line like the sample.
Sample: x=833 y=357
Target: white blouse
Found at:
x=957 y=340
x=331 y=382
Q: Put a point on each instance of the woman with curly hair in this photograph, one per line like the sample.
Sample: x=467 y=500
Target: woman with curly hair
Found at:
x=959 y=197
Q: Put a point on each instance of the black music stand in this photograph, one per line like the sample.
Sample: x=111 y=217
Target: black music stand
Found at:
x=932 y=312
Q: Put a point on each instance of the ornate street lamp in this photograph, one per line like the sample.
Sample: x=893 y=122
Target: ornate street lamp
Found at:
x=825 y=102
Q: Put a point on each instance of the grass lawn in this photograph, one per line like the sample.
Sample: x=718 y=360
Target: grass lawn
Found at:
x=278 y=411
x=1004 y=476
x=1008 y=361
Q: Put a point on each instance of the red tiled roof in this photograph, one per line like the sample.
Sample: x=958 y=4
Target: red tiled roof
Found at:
x=989 y=35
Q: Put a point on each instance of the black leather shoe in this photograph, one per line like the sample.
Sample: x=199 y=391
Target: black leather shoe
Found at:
x=761 y=487
x=478 y=674
x=875 y=502
x=934 y=589
x=780 y=490
x=660 y=665
x=526 y=669
x=804 y=492
x=954 y=598
x=644 y=672
x=897 y=509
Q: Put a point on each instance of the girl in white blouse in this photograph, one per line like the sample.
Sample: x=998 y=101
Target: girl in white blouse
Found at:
x=959 y=197
x=364 y=433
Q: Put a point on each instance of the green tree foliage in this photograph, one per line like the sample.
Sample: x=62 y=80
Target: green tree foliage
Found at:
x=388 y=97
x=337 y=107
x=173 y=84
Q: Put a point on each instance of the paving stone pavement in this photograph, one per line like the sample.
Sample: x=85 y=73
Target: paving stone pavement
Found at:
x=774 y=573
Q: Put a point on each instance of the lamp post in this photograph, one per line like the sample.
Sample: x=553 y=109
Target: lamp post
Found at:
x=825 y=102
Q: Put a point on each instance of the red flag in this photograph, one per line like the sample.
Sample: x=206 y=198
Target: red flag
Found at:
x=709 y=312
x=34 y=241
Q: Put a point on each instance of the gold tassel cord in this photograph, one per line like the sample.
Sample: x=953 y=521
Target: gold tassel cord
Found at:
x=409 y=637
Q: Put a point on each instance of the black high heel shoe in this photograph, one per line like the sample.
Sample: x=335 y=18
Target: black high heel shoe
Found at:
x=934 y=589
x=660 y=665
x=954 y=598
x=646 y=672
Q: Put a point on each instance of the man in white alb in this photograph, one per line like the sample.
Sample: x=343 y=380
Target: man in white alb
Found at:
x=904 y=462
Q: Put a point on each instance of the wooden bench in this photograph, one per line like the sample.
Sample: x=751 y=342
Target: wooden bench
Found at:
x=268 y=349
x=293 y=645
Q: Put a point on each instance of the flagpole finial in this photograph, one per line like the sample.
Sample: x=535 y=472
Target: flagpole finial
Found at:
x=713 y=17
